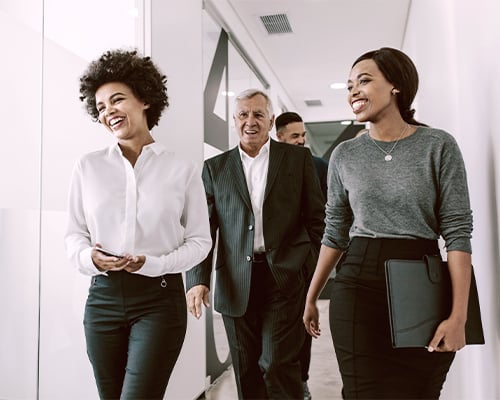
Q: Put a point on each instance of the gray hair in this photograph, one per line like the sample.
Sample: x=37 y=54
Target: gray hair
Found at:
x=249 y=93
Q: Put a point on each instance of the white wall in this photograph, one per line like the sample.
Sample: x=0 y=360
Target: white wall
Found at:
x=454 y=44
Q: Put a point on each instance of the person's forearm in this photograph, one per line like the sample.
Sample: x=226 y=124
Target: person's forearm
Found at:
x=327 y=260
x=459 y=264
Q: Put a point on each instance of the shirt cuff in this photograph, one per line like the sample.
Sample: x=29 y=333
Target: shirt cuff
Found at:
x=152 y=266
x=87 y=265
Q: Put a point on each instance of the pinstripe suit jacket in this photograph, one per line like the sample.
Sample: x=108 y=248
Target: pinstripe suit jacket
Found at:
x=293 y=224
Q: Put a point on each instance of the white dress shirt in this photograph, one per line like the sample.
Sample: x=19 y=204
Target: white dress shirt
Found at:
x=255 y=169
x=157 y=209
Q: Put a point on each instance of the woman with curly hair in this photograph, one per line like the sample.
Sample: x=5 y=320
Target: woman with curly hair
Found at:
x=137 y=219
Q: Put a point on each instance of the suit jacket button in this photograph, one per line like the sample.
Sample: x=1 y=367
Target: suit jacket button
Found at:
x=250 y=227
x=249 y=258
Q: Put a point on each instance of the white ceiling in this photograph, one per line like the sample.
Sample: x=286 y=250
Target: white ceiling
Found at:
x=328 y=35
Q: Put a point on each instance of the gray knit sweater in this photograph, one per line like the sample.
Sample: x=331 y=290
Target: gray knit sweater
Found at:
x=420 y=194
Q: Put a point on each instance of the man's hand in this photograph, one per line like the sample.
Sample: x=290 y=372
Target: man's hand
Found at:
x=195 y=297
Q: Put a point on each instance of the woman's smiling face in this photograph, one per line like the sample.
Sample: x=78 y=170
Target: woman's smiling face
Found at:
x=120 y=111
x=370 y=94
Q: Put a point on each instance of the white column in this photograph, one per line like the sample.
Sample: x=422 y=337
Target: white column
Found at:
x=176 y=47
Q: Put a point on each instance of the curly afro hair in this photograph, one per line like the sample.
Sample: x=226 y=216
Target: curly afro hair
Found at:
x=139 y=73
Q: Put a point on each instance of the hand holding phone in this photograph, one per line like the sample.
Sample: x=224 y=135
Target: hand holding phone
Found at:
x=108 y=253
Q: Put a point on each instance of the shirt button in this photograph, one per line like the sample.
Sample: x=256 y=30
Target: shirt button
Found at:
x=250 y=227
x=249 y=258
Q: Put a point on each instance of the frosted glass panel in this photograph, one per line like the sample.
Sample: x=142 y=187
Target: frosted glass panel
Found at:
x=20 y=105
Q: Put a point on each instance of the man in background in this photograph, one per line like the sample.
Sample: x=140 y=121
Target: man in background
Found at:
x=290 y=129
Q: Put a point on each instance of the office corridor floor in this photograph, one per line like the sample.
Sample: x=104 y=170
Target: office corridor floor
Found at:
x=324 y=381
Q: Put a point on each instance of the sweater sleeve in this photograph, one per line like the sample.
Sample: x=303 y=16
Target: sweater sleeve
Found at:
x=454 y=212
x=338 y=213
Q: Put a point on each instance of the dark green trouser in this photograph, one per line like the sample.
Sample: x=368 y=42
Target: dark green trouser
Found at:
x=134 y=328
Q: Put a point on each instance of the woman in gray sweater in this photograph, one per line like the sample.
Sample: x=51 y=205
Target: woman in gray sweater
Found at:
x=391 y=194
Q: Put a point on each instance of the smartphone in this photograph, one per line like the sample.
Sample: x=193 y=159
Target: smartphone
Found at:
x=108 y=253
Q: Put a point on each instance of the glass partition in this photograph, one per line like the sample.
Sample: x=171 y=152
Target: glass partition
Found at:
x=46 y=45
x=20 y=157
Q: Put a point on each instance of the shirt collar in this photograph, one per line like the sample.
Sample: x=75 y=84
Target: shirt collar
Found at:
x=155 y=147
x=263 y=150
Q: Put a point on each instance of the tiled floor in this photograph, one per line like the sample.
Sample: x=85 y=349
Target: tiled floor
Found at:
x=324 y=381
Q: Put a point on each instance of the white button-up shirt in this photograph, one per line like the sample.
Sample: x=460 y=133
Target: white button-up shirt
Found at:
x=156 y=208
x=255 y=169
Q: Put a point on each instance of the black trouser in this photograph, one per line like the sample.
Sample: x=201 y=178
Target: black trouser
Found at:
x=134 y=328
x=305 y=350
x=305 y=357
x=263 y=342
x=359 y=322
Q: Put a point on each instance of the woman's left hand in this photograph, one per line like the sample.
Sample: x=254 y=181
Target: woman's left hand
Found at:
x=449 y=336
x=311 y=319
x=134 y=263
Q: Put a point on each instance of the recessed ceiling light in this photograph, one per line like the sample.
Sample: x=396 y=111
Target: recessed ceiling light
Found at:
x=338 y=85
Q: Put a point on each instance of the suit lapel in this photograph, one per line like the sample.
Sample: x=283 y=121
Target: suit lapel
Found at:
x=276 y=154
x=236 y=170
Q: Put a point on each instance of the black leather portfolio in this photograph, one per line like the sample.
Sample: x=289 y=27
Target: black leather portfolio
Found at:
x=419 y=296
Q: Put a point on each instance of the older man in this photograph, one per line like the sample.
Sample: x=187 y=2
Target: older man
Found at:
x=265 y=201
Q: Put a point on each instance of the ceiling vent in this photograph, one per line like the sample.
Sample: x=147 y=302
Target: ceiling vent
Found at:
x=313 y=103
x=276 y=23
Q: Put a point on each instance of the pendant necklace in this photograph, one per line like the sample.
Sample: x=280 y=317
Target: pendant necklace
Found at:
x=388 y=156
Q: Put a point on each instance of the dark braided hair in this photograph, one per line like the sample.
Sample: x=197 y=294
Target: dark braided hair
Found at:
x=139 y=73
x=399 y=70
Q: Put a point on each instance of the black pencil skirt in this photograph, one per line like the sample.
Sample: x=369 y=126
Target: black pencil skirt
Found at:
x=359 y=323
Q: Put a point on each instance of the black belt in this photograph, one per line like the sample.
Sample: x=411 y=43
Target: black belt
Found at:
x=259 y=258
